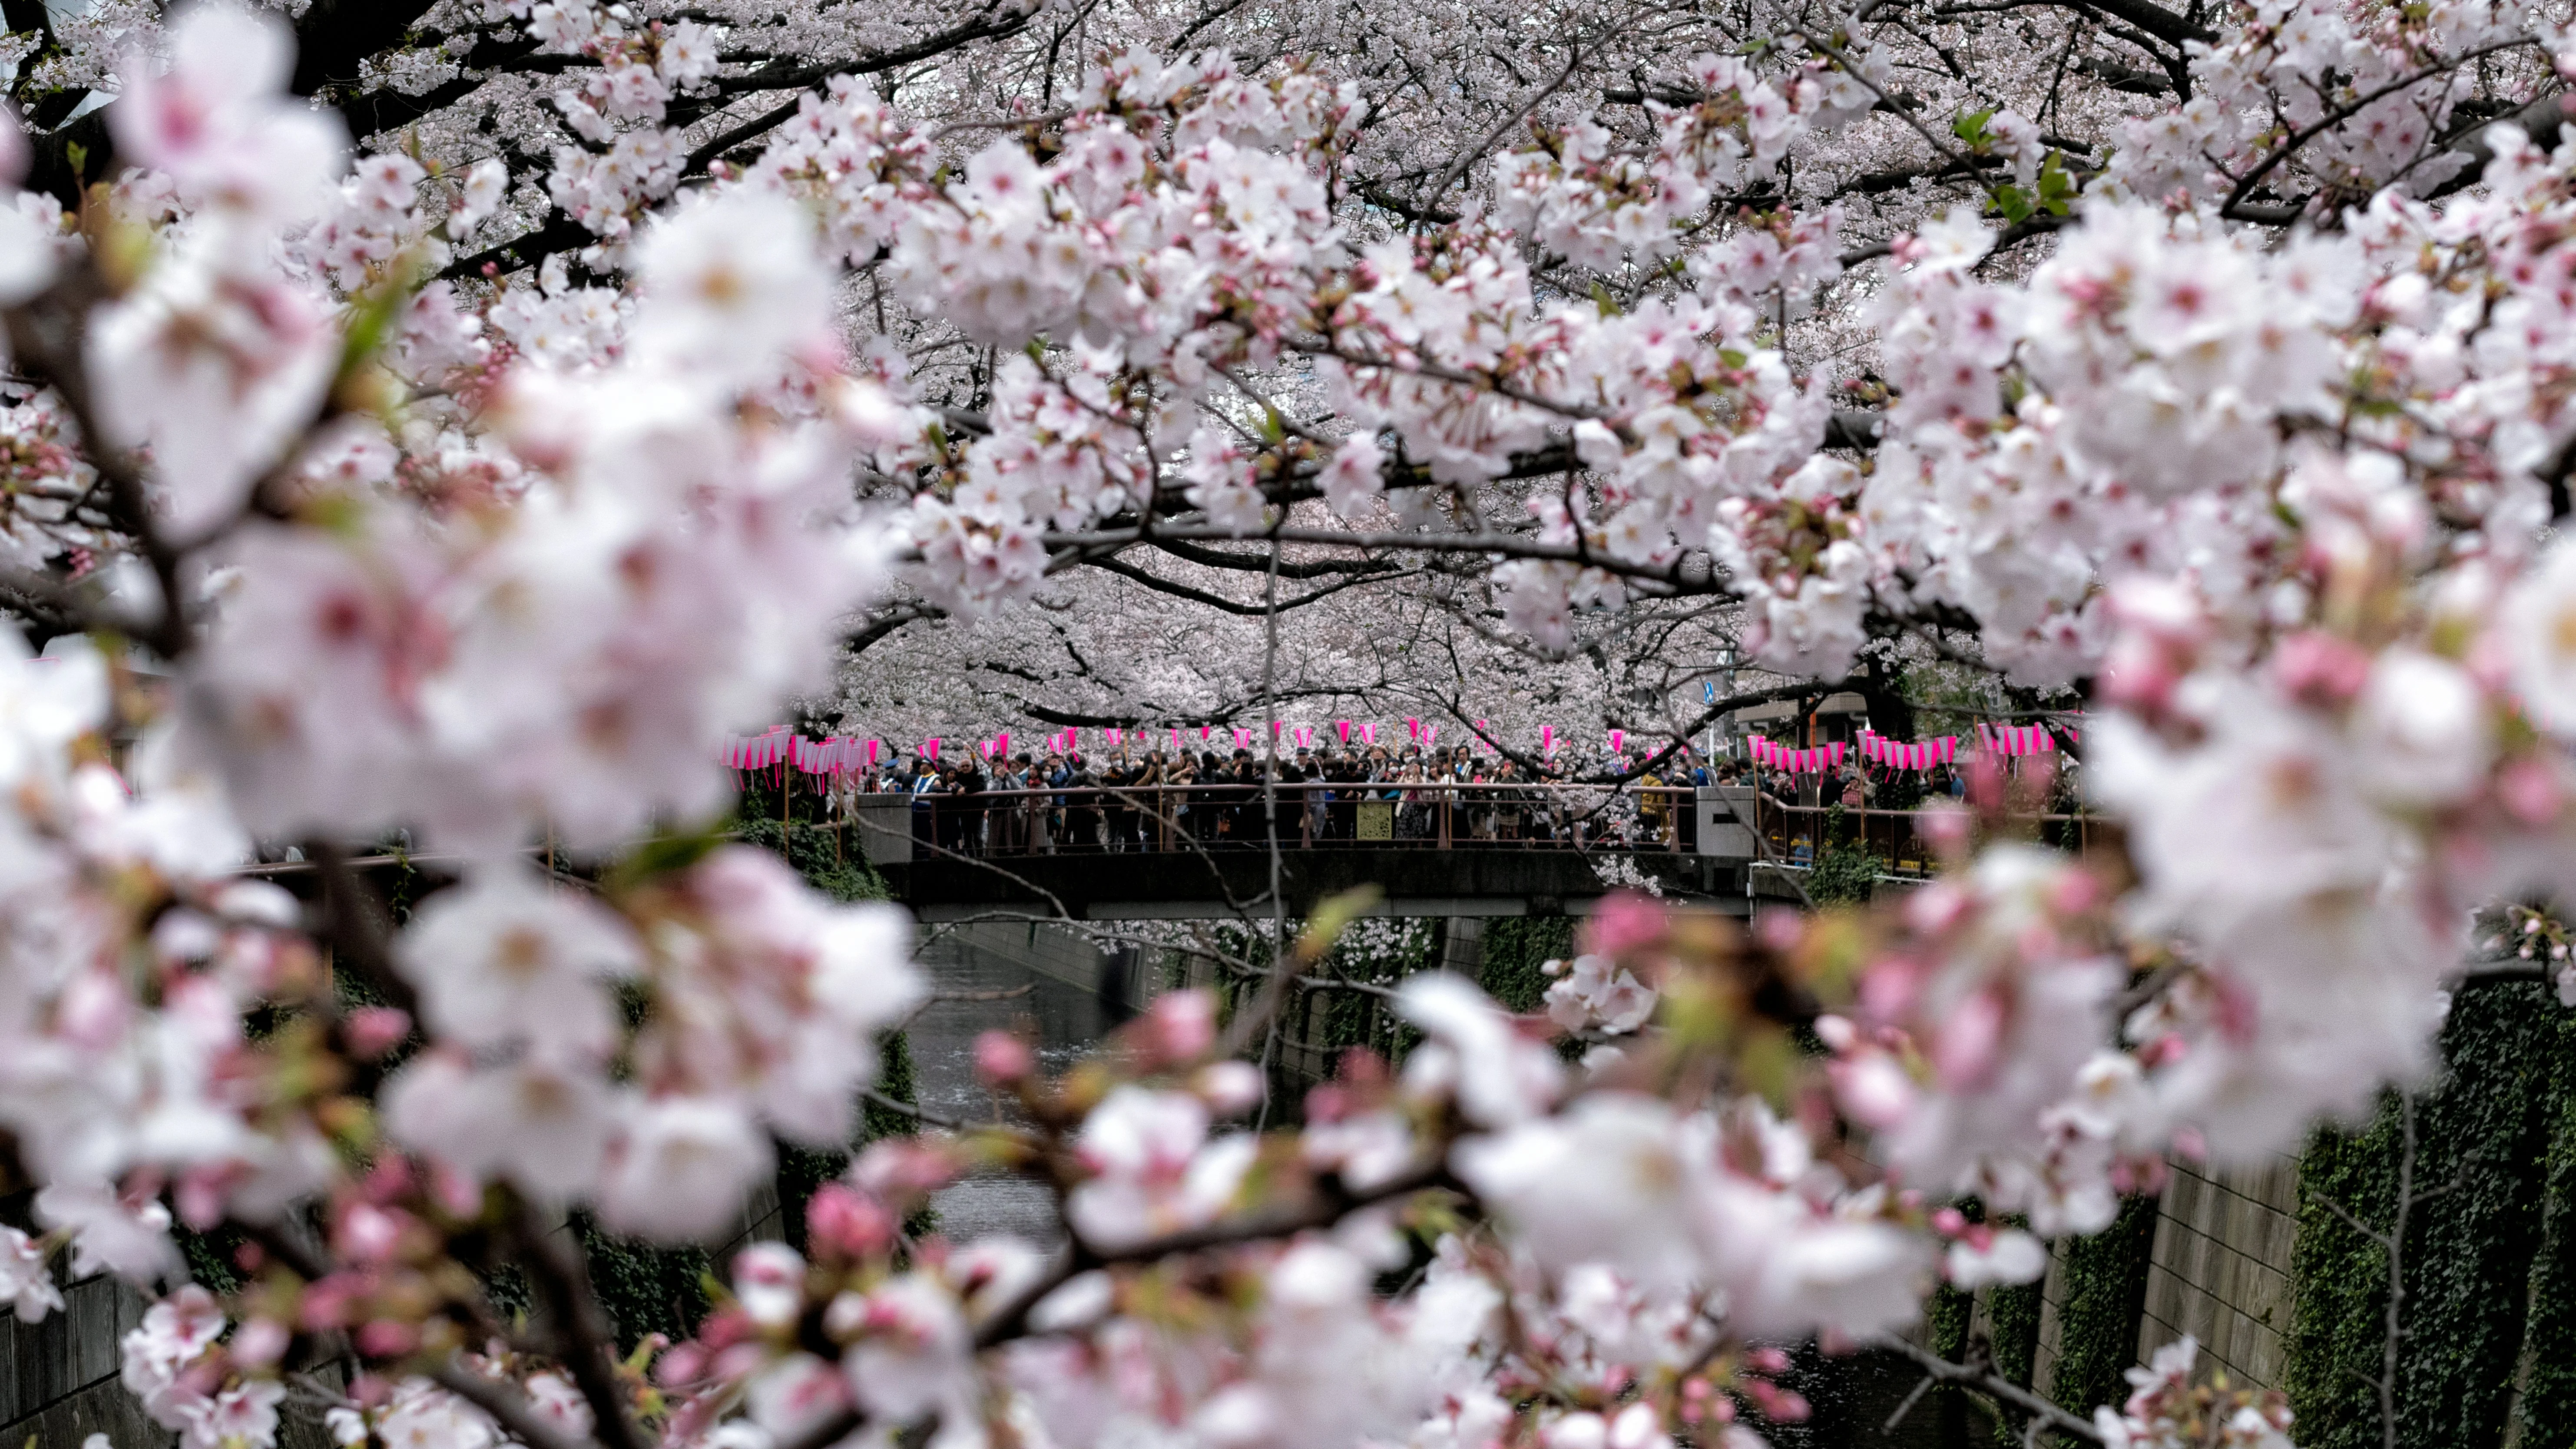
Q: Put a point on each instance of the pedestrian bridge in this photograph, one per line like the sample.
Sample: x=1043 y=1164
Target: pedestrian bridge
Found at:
x=1454 y=850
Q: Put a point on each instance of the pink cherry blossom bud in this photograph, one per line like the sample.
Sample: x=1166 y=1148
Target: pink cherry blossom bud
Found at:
x=1873 y=1090
x=899 y=1169
x=2320 y=669
x=1779 y=930
x=2190 y=1145
x=1625 y=921
x=1970 y=1041
x=260 y=1343
x=1767 y=1360
x=93 y=1009
x=457 y=1194
x=1002 y=1059
x=1837 y=1032
x=848 y=1223
x=1946 y=826
x=200 y=1193
x=376 y=1030
x=2075 y=892
x=367 y=1233
x=769 y=1283
x=1949 y=1222
x=1228 y=1087
x=682 y=1365
x=1937 y=907
x=386 y=1338
x=1182 y=1025
x=2139 y=673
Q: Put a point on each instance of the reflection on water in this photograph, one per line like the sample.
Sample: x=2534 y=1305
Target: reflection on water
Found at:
x=1068 y=1020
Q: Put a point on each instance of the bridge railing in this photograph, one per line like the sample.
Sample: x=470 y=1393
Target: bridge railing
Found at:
x=1433 y=815
x=1312 y=814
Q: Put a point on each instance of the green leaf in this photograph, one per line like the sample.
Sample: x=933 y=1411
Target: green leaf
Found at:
x=662 y=855
x=1971 y=126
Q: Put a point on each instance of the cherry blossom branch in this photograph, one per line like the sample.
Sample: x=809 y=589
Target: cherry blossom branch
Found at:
x=1482 y=382
x=48 y=334
x=562 y=1281
x=511 y=1411
x=2297 y=139
x=1498 y=545
x=1330 y=1206
x=1467 y=157
x=354 y=925
x=1110 y=563
x=1985 y=1380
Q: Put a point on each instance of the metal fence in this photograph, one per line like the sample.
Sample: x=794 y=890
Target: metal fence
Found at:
x=1433 y=815
x=1309 y=815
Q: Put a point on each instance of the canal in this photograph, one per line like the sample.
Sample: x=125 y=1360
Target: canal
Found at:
x=983 y=989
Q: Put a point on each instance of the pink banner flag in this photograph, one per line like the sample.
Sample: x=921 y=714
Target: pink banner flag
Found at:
x=1343 y=726
x=1618 y=741
x=873 y=747
x=1368 y=733
x=1430 y=736
x=1242 y=739
x=930 y=749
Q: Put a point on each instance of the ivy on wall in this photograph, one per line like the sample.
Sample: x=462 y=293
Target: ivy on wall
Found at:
x=2106 y=1295
x=1514 y=949
x=2483 y=1247
x=2547 y=1408
x=2012 y=1325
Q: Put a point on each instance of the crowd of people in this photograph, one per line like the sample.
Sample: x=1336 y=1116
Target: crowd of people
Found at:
x=1155 y=799
x=1131 y=799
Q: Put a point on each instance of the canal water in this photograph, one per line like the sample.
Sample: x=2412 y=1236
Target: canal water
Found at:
x=1853 y=1396
x=1067 y=1022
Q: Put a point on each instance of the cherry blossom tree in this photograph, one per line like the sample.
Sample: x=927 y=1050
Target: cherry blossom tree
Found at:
x=473 y=410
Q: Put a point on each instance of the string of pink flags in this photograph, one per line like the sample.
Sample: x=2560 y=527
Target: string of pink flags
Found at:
x=2010 y=741
x=783 y=750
